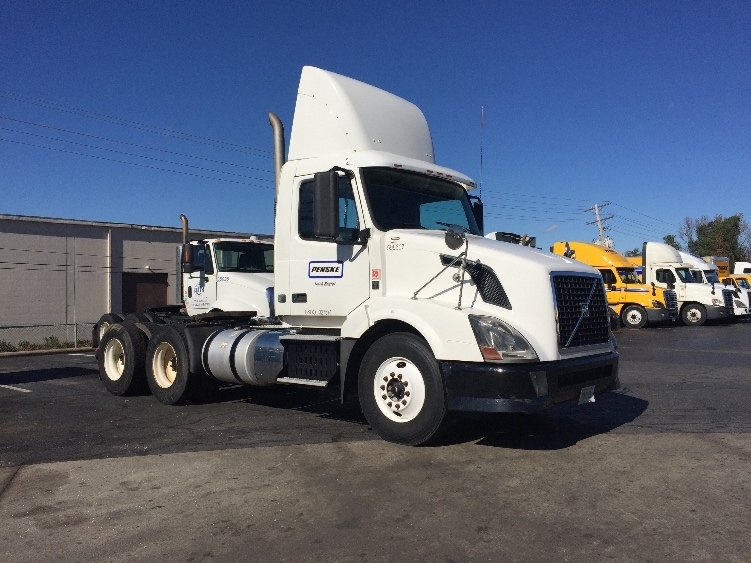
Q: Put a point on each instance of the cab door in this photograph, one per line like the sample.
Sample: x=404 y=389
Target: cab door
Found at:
x=614 y=293
x=199 y=290
x=327 y=279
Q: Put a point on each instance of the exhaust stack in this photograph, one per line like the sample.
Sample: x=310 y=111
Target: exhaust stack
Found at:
x=184 y=220
x=276 y=125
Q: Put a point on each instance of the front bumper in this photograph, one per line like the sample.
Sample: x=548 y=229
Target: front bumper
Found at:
x=486 y=387
x=655 y=315
x=716 y=313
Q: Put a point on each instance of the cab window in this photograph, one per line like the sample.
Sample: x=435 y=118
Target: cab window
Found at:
x=349 y=222
x=202 y=259
x=665 y=276
x=608 y=277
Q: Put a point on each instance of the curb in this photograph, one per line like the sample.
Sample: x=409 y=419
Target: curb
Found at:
x=45 y=352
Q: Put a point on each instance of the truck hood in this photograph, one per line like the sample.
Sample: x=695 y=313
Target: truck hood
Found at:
x=259 y=281
x=414 y=258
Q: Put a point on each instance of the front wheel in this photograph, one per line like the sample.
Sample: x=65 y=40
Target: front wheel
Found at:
x=401 y=390
x=634 y=316
x=694 y=314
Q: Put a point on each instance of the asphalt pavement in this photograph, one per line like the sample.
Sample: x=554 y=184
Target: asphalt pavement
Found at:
x=656 y=471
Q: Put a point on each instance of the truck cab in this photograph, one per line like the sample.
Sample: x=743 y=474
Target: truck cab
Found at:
x=709 y=273
x=740 y=282
x=697 y=302
x=635 y=303
x=227 y=274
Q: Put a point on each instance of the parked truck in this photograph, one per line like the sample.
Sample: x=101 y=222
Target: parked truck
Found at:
x=224 y=275
x=635 y=303
x=709 y=273
x=742 y=268
x=385 y=287
x=663 y=266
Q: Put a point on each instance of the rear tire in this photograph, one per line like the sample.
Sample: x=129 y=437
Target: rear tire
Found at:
x=401 y=390
x=168 y=368
x=694 y=314
x=121 y=359
x=634 y=316
x=102 y=325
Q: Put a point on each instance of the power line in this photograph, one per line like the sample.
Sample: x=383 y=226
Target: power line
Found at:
x=147 y=147
x=129 y=154
x=137 y=164
x=131 y=123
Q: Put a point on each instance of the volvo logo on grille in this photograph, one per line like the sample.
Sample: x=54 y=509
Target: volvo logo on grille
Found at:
x=585 y=310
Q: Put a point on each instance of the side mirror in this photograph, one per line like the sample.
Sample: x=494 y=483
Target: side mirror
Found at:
x=326 y=206
x=654 y=291
x=477 y=208
x=186 y=259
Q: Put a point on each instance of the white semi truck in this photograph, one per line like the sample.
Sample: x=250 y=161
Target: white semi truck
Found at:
x=709 y=273
x=224 y=275
x=664 y=267
x=385 y=287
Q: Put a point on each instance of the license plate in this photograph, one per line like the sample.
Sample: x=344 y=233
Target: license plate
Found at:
x=587 y=395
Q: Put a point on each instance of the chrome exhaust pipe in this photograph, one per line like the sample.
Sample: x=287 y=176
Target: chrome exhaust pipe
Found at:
x=279 y=159
x=184 y=220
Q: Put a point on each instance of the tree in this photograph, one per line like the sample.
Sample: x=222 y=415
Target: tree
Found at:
x=635 y=252
x=720 y=236
x=670 y=239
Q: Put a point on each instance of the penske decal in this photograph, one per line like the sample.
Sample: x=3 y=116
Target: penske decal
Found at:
x=327 y=269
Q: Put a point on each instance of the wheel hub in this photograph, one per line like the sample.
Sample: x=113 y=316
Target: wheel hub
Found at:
x=399 y=390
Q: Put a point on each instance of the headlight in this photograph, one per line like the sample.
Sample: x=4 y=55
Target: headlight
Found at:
x=499 y=341
x=739 y=304
x=657 y=304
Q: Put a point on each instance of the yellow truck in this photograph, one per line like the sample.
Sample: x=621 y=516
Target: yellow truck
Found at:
x=740 y=282
x=635 y=303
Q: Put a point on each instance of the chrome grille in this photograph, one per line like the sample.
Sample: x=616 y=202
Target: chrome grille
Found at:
x=582 y=310
x=671 y=300
x=727 y=297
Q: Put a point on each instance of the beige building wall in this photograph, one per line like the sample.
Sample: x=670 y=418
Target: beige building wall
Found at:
x=58 y=271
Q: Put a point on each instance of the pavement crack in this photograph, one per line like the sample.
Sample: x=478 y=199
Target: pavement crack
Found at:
x=6 y=482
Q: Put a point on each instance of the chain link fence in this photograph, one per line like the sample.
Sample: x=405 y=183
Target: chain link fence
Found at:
x=23 y=338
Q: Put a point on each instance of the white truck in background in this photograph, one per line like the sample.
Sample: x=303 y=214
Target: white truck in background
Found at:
x=710 y=273
x=742 y=268
x=663 y=266
x=224 y=275
x=385 y=287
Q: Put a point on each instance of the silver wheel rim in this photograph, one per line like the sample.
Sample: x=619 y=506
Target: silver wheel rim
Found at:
x=399 y=389
x=114 y=359
x=164 y=365
x=634 y=317
x=694 y=315
x=103 y=327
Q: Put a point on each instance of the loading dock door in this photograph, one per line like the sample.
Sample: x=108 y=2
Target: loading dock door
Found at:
x=141 y=291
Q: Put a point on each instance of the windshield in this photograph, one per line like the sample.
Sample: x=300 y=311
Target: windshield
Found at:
x=711 y=276
x=684 y=274
x=742 y=283
x=406 y=200
x=237 y=256
x=628 y=275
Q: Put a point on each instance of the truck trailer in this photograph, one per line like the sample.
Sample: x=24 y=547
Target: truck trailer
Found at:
x=385 y=288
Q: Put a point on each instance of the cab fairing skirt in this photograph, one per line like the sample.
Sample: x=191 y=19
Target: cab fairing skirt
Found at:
x=487 y=387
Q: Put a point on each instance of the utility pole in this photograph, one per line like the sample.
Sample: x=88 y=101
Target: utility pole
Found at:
x=600 y=220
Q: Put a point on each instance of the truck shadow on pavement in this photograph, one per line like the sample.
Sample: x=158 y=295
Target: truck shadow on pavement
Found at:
x=559 y=427
x=36 y=375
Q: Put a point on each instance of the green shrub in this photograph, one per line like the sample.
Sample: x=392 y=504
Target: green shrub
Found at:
x=7 y=347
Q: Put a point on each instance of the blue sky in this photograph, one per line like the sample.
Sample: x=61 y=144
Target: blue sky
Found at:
x=136 y=112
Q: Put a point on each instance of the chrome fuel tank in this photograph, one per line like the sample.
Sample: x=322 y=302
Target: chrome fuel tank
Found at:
x=252 y=357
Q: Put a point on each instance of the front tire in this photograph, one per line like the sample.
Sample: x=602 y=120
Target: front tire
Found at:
x=121 y=359
x=634 y=316
x=401 y=390
x=694 y=314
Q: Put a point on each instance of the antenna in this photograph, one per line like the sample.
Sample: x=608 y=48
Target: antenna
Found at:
x=482 y=131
